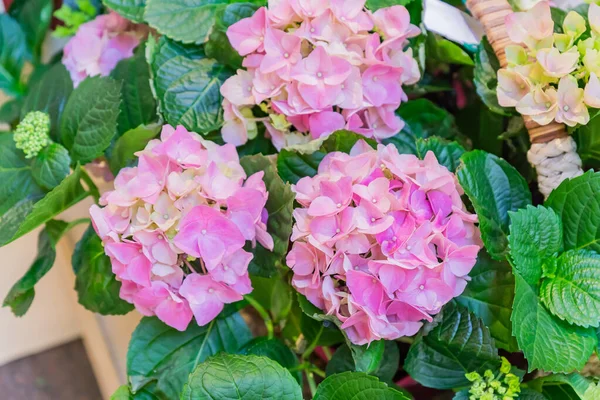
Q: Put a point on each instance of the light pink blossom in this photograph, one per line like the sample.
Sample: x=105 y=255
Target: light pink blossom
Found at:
x=391 y=256
x=99 y=45
x=322 y=66
x=175 y=228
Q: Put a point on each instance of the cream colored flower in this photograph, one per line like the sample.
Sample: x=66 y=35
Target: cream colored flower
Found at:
x=557 y=64
x=512 y=87
x=540 y=105
x=571 y=109
x=591 y=94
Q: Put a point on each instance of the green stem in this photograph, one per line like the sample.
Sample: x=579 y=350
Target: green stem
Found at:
x=308 y=367
x=313 y=344
x=92 y=188
x=311 y=383
x=316 y=370
x=264 y=314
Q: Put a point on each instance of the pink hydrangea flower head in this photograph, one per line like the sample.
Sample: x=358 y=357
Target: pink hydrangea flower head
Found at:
x=175 y=228
x=385 y=246
x=317 y=66
x=99 y=45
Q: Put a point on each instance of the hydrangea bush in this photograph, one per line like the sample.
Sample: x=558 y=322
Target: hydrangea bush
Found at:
x=310 y=198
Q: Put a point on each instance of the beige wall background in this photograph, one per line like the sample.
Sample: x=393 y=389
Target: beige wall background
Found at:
x=55 y=317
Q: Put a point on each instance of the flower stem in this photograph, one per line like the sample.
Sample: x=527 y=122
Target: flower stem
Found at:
x=311 y=383
x=263 y=313
x=313 y=344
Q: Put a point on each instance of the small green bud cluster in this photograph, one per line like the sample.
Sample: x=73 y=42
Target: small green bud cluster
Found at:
x=31 y=134
x=504 y=386
x=73 y=18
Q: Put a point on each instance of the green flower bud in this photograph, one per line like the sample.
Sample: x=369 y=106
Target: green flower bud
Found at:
x=504 y=386
x=32 y=134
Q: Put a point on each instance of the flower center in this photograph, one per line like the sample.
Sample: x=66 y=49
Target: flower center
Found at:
x=204 y=231
x=211 y=290
x=166 y=216
x=319 y=74
x=287 y=55
x=566 y=108
x=339 y=205
x=422 y=287
x=548 y=105
x=374 y=200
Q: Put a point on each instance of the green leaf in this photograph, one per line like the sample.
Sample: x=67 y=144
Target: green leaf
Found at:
x=577 y=202
x=495 y=188
x=535 y=237
x=187 y=85
x=293 y=166
x=132 y=141
x=131 y=9
x=489 y=295
x=571 y=287
x=317 y=327
x=218 y=45
x=563 y=387
x=485 y=77
x=404 y=141
x=447 y=153
x=276 y=351
x=138 y=106
x=51 y=166
x=89 y=122
x=18 y=191
x=162 y=355
x=122 y=393
x=274 y=294
x=342 y=361
x=442 y=50
x=95 y=283
x=62 y=197
x=228 y=376
x=356 y=385
x=13 y=53
x=375 y=5
x=367 y=358
x=426 y=119
x=10 y=110
x=343 y=141
x=50 y=94
x=21 y=295
x=279 y=225
x=178 y=20
x=527 y=394
x=547 y=342
x=454 y=343
x=588 y=142
x=34 y=17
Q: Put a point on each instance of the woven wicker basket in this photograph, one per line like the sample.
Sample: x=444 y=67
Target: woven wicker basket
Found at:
x=553 y=151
